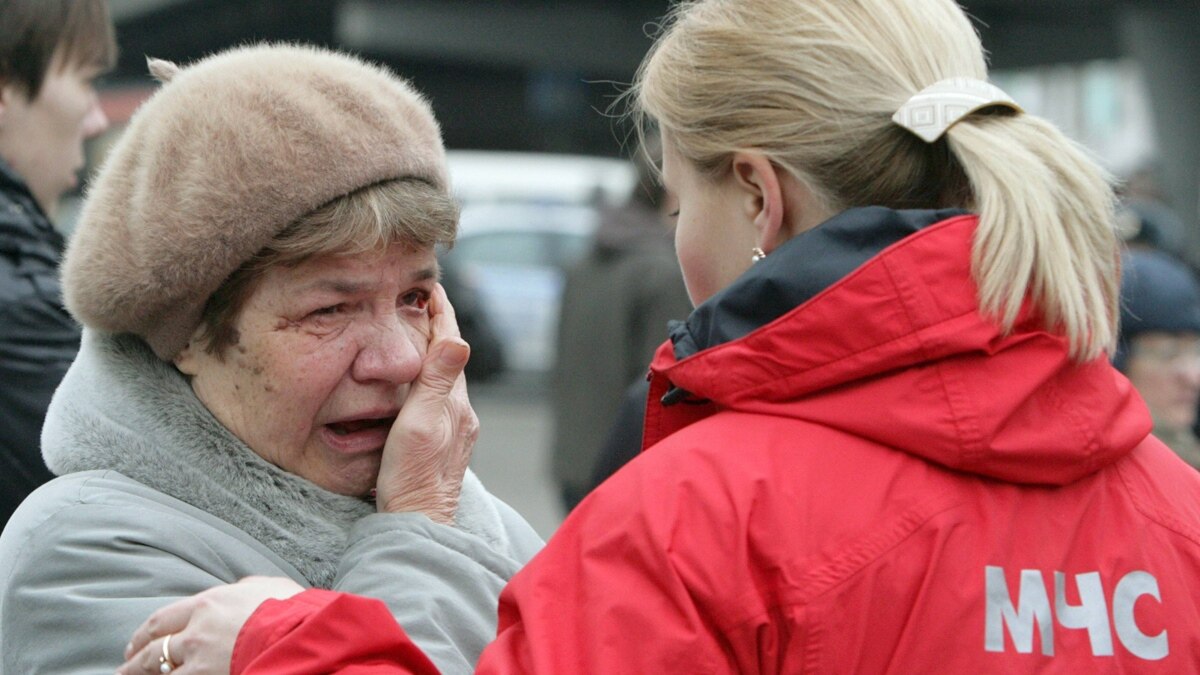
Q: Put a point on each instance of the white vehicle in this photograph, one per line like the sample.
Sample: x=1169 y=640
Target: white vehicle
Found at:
x=482 y=176
x=525 y=219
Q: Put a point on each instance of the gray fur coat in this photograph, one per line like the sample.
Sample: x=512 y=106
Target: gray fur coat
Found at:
x=156 y=495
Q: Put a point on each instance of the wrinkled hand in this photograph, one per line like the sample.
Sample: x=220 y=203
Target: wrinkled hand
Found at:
x=203 y=628
x=430 y=444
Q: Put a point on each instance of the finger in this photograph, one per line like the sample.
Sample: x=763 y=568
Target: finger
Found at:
x=170 y=619
x=148 y=659
x=442 y=315
x=442 y=367
x=428 y=399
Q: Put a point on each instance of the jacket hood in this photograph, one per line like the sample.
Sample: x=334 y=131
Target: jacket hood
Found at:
x=870 y=324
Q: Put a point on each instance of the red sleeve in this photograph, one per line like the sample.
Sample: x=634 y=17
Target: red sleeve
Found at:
x=635 y=581
x=606 y=596
x=326 y=632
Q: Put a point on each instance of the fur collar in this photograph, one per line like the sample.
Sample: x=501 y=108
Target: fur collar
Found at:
x=120 y=408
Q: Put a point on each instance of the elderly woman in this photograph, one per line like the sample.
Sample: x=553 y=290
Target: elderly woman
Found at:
x=268 y=360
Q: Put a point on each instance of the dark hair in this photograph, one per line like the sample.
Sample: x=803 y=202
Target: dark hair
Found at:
x=1158 y=294
x=79 y=32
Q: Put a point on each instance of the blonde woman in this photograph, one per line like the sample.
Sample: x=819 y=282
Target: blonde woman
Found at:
x=888 y=439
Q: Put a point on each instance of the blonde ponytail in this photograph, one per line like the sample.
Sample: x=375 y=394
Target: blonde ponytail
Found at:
x=813 y=84
x=1046 y=228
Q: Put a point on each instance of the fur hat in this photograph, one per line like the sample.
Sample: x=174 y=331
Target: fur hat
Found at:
x=216 y=163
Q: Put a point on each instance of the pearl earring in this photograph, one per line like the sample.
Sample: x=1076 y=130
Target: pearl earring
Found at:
x=756 y=254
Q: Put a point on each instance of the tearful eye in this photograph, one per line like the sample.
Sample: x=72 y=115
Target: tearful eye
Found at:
x=326 y=311
x=417 y=299
x=324 y=319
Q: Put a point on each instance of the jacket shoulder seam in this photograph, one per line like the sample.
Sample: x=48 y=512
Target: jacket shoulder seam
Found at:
x=1156 y=515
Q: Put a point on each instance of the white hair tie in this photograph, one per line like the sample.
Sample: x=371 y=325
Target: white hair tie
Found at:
x=936 y=108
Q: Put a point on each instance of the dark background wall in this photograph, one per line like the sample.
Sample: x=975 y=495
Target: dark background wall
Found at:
x=541 y=75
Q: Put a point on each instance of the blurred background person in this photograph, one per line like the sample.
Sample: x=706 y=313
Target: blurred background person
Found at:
x=615 y=306
x=1148 y=223
x=51 y=52
x=623 y=441
x=1160 y=344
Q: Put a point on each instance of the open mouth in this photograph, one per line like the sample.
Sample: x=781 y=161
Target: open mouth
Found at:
x=351 y=426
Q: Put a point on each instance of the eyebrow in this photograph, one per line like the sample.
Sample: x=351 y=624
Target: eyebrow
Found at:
x=426 y=273
x=345 y=287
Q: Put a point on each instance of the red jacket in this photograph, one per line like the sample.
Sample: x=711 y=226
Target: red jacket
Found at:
x=856 y=472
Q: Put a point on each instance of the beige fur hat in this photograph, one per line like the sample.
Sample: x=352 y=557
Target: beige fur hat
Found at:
x=216 y=163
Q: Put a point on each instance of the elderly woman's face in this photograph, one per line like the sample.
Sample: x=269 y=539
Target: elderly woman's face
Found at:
x=322 y=363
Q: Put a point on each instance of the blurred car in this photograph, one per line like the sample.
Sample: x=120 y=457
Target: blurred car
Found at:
x=526 y=218
x=513 y=256
x=488 y=356
x=479 y=176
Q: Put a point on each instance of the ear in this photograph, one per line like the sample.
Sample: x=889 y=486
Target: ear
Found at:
x=760 y=184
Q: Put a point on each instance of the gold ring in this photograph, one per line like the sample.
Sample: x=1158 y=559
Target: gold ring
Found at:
x=165 y=664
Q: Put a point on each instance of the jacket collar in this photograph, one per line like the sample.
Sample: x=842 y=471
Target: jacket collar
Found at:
x=870 y=324
x=15 y=187
x=10 y=182
x=796 y=272
x=21 y=217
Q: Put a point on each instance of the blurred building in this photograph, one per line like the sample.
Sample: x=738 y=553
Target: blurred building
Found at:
x=1122 y=76
x=514 y=75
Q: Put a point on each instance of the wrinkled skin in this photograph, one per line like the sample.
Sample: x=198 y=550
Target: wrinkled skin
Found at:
x=424 y=460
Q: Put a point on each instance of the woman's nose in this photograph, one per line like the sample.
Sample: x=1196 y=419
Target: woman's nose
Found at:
x=389 y=354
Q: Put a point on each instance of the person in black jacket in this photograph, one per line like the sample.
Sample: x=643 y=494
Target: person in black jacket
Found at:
x=616 y=303
x=51 y=51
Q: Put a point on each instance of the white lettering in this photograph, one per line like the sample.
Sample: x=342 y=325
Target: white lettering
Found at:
x=1131 y=587
x=1033 y=605
x=1092 y=613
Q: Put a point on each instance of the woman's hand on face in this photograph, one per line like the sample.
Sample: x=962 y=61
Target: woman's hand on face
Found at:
x=430 y=443
x=202 y=628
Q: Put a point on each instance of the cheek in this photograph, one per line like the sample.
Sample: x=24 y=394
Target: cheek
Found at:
x=1142 y=379
x=696 y=262
x=65 y=115
x=420 y=332
x=255 y=373
x=76 y=100
x=290 y=377
x=693 y=279
x=1160 y=390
